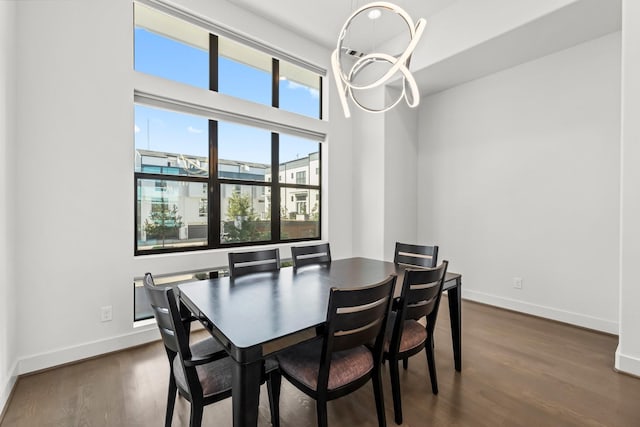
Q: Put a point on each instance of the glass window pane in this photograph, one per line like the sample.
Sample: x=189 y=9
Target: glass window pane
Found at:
x=164 y=44
x=299 y=90
x=299 y=161
x=299 y=213
x=170 y=214
x=170 y=143
x=244 y=72
x=244 y=213
x=244 y=152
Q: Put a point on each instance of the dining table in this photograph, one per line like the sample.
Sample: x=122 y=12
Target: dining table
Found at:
x=257 y=315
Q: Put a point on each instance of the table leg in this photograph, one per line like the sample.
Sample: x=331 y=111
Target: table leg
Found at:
x=455 y=314
x=246 y=393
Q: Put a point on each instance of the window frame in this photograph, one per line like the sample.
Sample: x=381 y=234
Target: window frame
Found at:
x=214 y=182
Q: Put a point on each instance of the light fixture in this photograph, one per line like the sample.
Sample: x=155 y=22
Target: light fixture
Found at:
x=374 y=14
x=399 y=63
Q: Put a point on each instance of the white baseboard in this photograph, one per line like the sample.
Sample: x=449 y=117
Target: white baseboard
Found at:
x=577 y=319
x=74 y=353
x=7 y=387
x=627 y=364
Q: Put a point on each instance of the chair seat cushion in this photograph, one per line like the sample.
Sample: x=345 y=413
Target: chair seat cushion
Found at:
x=215 y=377
x=302 y=362
x=413 y=335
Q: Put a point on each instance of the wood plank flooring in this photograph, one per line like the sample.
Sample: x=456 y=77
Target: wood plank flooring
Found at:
x=517 y=371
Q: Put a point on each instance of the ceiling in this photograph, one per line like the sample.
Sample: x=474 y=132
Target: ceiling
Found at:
x=569 y=26
x=321 y=21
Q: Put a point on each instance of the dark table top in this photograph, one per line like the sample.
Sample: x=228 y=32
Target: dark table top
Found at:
x=253 y=310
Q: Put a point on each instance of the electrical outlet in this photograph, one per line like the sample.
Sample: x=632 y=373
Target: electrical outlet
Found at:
x=517 y=282
x=106 y=313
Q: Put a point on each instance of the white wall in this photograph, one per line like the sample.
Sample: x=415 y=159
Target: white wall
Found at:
x=8 y=301
x=384 y=175
x=75 y=218
x=340 y=157
x=75 y=211
x=400 y=162
x=628 y=353
x=368 y=177
x=518 y=176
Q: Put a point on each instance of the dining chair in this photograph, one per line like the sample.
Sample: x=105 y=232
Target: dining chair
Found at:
x=416 y=255
x=343 y=359
x=308 y=255
x=200 y=372
x=242 y=263
x=419 y=298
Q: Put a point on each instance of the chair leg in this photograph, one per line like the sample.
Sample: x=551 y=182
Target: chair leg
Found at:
x=405 y=363
x=171 y=401
x=395 y=390
x=196 y=415
x=376 y=378
x=431 y=360
x=274 y=381
x=321 y=409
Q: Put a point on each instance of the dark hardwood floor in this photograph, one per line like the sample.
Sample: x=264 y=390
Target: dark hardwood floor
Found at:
x=517 y=371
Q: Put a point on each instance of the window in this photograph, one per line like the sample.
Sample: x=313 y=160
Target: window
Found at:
x=171 y=173
x=299 y=90
x=299 y=215
x=203 y=208
x=159 y=39
x=300 y=218
x=167 y=218
x=202 y=182
x=244 y=72
x=245 y=216
x=301 y=177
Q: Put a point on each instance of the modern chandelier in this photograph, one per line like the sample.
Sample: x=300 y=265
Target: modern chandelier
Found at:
x=345 y=81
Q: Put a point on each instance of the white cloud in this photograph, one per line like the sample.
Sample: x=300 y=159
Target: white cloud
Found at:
x=191 y=129
x=293 y=86
x=136 y=129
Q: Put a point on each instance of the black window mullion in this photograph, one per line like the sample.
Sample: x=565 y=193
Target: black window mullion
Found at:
x=160 y=177
x=214 y=187
x=275 y=83
x=213 y=214
x=275 y=187
x=136 y=213
x=213 y=62
x=301 y=186
x=275 y=155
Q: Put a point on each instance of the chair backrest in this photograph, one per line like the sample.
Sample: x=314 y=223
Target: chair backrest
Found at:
x=174 y=334
x=355 y=317
x=418 y=255
x=241 y=263
x=307 y=255
x=420 y=297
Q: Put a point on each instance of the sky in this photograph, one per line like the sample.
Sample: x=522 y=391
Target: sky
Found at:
x=167 y=131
